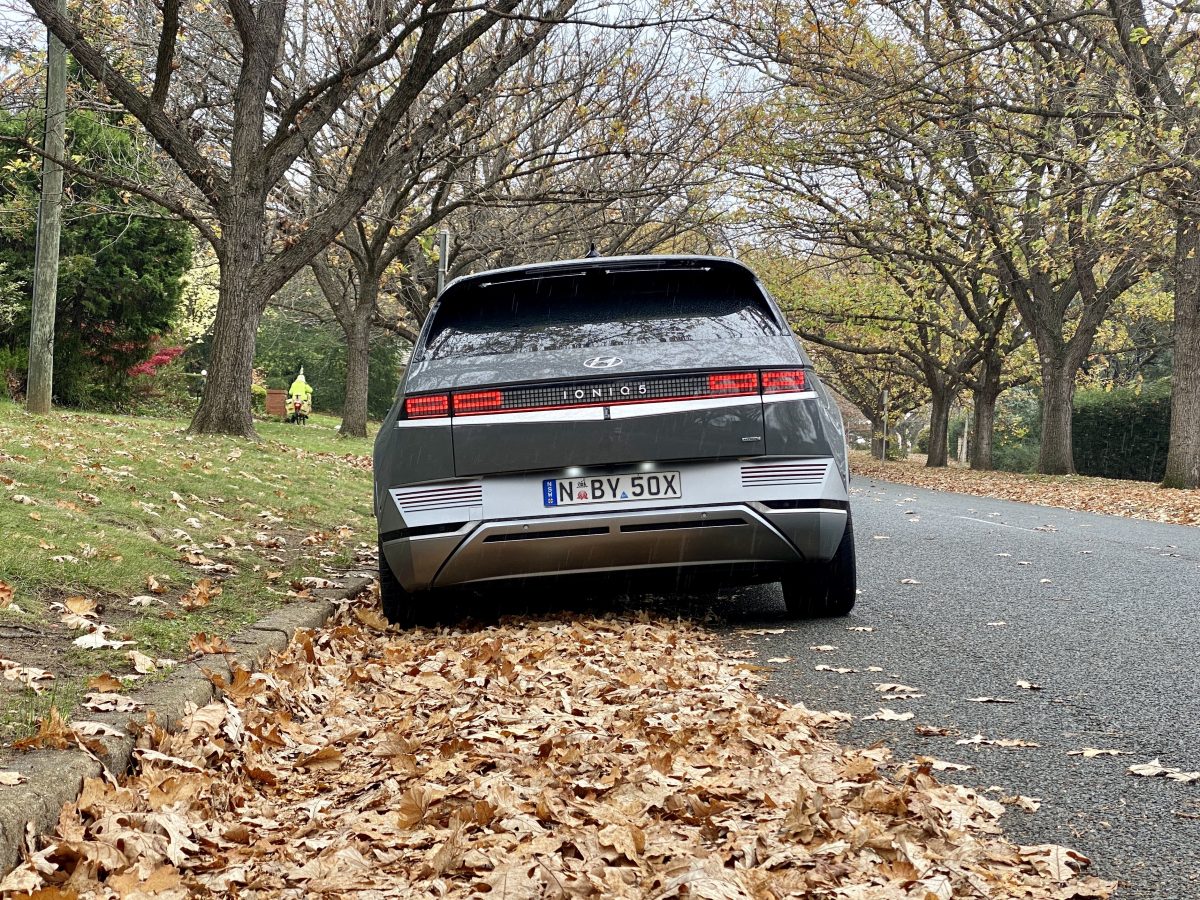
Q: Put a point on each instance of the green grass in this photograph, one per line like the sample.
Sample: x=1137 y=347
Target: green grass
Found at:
x=114 y=497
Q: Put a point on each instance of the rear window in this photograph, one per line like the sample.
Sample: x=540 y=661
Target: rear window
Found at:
x=598 y=308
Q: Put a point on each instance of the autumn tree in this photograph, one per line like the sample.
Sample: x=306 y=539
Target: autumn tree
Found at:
x=568 y=126
x=1002 y=130
x=1153 y=43
x=233 y=93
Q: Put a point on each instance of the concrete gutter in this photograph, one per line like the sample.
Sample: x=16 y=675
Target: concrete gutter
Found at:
x=55 y=777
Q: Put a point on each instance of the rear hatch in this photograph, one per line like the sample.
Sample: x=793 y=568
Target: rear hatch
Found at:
x=606 y=364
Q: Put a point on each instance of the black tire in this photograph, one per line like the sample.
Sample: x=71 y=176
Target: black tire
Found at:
x=397 y=603
x=824 y=590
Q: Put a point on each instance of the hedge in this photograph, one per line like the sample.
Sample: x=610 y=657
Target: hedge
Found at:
x=1123 y=433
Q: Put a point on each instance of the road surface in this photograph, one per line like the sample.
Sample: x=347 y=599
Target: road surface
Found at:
x=1102 y=612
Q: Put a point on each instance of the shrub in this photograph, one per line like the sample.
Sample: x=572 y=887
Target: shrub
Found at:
x=160 y=385
x=1018 y=431
x=14 y=367
x=1123 y=433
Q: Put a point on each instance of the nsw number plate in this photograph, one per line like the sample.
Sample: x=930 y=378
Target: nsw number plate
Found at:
x=611 y=488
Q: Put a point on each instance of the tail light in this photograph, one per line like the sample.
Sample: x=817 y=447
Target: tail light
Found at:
x=731 y=383
x=478 y=402
x=783 y=381
x=427 y=406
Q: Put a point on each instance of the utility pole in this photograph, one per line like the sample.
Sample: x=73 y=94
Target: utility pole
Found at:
x=49 y=229
x=443 y=259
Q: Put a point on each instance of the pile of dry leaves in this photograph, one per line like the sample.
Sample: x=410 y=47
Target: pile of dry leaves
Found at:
x=554 y=758
x=1134 y=499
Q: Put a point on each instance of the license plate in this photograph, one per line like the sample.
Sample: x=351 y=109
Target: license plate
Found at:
x=612 y=488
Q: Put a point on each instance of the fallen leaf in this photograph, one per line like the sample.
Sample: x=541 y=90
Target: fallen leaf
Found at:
x=1029 y=804
x=940 y=765
x=200 y=594
x=1029 y=685
x=102 y=701
x=81 y=606
x=202 y=643
x=1154 y=769
x=1009 y=743
x=146 y=665
x=325 y=758
x=823 y=648
x=6 y=594
x=890 y=715
x=909 y=581
x=98 y=639
x=11 y=779
x=1055 y=861
x=106 y=683
x=1093 y=752
x=372 y=618
x=53 y=733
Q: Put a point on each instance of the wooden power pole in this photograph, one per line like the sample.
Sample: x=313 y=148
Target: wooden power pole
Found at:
x=49 y=228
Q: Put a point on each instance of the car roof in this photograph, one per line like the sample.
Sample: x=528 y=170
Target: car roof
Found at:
x=612 y=263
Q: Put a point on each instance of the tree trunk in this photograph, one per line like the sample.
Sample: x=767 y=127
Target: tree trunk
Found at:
x=939 y=425
x=876 y=438
x=358 y=361
x=1055 y=456
x=225 y=406
x=1183 y=454
x=985 y=397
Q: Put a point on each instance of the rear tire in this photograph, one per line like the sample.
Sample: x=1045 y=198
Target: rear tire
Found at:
x=398 y=604
x=824 y=590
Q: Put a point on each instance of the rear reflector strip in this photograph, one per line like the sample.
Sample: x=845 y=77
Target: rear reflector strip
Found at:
x=541 y=535
x=675 y=526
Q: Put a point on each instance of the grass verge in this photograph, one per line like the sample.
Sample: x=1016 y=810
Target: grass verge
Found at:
x=134 y=529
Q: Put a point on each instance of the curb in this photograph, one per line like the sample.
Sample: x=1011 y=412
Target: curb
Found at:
x=55 y=777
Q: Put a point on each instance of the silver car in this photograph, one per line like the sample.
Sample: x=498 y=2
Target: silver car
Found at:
x=625 y=414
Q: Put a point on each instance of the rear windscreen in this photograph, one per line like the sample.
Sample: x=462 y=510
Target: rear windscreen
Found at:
x=597 y=308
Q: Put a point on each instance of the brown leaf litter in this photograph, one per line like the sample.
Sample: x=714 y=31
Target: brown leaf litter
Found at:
x=554 y=758
x=1134 y=499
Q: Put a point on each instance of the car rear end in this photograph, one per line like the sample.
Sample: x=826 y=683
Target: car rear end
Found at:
x=640 y=413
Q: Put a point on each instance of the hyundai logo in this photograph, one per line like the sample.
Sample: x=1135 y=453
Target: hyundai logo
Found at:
x=603 y=362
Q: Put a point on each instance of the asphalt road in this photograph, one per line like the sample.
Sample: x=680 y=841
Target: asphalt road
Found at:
x=1102 y=612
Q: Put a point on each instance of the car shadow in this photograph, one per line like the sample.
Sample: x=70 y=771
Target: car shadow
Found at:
x=718 y=607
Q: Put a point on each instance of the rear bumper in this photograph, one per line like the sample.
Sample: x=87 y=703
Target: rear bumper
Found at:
x=458 y=534
x=681 y=537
